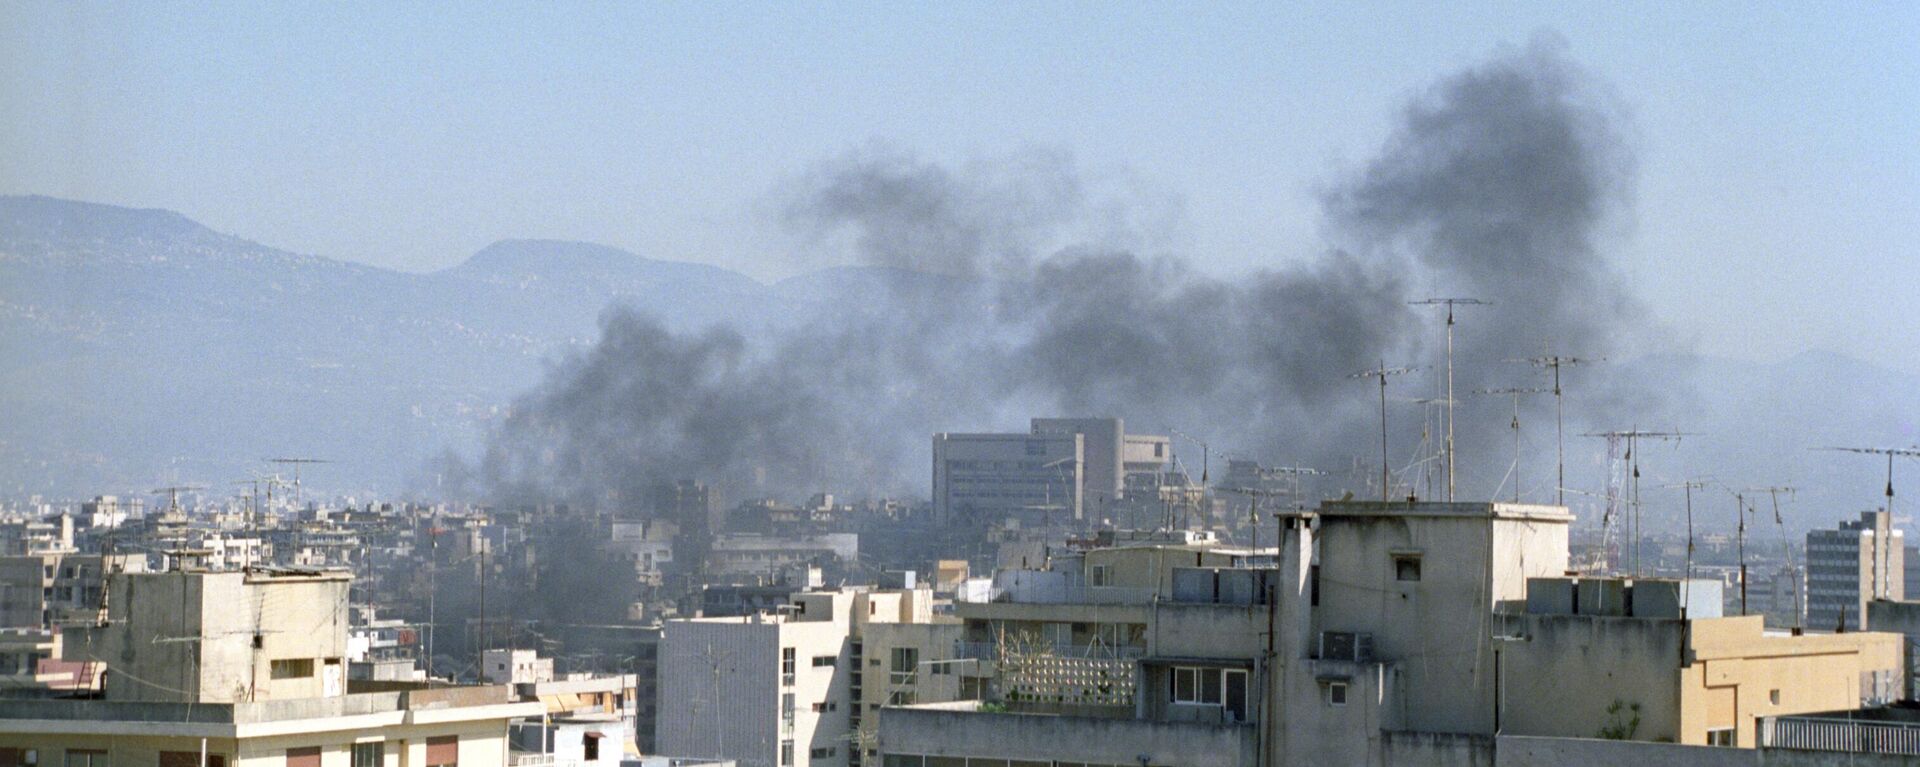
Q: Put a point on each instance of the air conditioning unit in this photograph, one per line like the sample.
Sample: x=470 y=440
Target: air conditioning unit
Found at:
x=1346 y=645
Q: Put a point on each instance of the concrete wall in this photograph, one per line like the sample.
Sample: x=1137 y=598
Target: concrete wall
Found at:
x=1634 y=662
x=1437 y=630
x=733 y=713
x=961 y=730
x=1427 y=749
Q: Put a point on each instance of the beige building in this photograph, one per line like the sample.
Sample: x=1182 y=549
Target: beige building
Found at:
x=236 y=667
x=1705 y=681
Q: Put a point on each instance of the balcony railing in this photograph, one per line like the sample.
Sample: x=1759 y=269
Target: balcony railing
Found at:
x=1851 y=736
x=991 y=650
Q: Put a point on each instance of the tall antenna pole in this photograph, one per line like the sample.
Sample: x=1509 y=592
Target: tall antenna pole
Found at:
x=1382 y=373
x=1633 y=436
x=1786 y=548
x=1450 y=303
x=1515 y=393
x=1881 y=555
x=1554 y=362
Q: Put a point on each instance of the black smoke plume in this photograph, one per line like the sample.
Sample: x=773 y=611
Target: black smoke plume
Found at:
x=1018 y=287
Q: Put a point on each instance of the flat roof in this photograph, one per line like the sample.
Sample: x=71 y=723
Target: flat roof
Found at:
x=1461 y=509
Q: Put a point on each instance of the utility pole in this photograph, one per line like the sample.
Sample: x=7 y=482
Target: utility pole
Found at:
x=1450 y=303
x=1554 y=362
x=1515 y=393
x=1383 y=373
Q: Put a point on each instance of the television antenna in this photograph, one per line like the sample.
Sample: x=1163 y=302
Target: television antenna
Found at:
x=1515 y=425
x=1291 y=492
x=1686 y=589
x=1786 y=549
x=1881 y=555
x=1632 y=438
x=1554 y=362
x=1449 y=303
x=1383 y=373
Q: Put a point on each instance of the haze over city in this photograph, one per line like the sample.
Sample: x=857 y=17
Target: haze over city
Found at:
x=955 y=385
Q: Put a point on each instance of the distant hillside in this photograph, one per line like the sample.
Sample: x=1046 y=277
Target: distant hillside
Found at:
x=139 y=348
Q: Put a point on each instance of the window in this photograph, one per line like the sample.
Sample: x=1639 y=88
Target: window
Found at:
x=826 y=706
x=1723 y=737
x=906 y=660
x=292 y=668
x=184 y=759
x=1336 y=693
x=369 y=754
x=1210 y=686
x=1100 y=575
x=303 y=757
x=1236 y=703
x=825 y=661
x=786 y=713
x=786 y=753
x=788 y=662
x=443 y=751
x=821 y=753
x=590 y=746
x=81 y=758
x=1773 y=696
x=1406 y=567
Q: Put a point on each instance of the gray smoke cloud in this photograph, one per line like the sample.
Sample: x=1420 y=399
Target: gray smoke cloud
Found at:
x=1017 y=286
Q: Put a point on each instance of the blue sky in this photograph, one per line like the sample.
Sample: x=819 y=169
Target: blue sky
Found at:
x=1777 y=208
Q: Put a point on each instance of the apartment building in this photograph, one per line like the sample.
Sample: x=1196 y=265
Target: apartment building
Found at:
x=244 y=669
x=1377 y=633
x=1851 y=565
x=1060 y=469
x=790 y=687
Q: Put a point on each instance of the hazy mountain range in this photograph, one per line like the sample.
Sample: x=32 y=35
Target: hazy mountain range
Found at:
x=139 y=348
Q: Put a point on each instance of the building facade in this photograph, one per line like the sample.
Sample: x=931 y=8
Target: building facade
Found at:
x=1847 y=567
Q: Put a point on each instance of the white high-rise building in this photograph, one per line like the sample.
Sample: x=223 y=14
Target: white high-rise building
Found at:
x=795 y=687
x=1852 y=565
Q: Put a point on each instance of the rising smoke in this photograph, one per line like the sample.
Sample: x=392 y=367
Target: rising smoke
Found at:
x=1016 y=287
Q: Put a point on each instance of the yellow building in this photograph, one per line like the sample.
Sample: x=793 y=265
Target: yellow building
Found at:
x=1699 y=682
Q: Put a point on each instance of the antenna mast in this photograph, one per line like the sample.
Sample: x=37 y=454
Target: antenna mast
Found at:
x=1515 y=393
x=1554 y=362
x=1450 y=303
x=1880 y=545
x=1383 y=372
x=1632 y=437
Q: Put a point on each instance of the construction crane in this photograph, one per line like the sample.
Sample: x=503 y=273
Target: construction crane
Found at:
x=1515 y=425
x=1449 y=303
x=1554 y=362
x=296 y=463
x=1383 y=373
x=1632 y=438
x=173 y=494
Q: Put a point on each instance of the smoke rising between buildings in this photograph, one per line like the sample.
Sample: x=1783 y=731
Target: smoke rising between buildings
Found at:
x=1018 y=286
